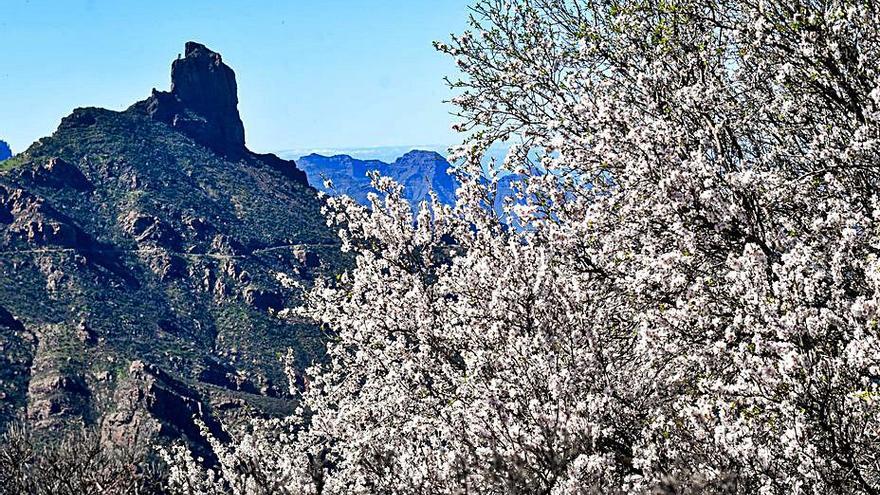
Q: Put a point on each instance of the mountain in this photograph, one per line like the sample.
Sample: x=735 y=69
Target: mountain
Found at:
x=388 y=154
x=141 y=255
x=5 y=151
x=418 y=171
x=382 y=153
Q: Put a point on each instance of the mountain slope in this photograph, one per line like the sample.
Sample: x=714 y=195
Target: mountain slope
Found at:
x=139 y=261
x=418 y=171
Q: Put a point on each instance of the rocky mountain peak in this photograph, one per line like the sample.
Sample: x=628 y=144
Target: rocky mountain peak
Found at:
x=423 y=154
x=161 y=210
x=203 y=101
x=204 y=84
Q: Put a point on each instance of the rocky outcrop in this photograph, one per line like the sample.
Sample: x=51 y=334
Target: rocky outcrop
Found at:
x=56 y=172
x=203 y=105
x=287 y=167
x=55 y=399
x=263 y=299
x=306 y=257
x=165 y=265
x=85 y=334
x=225 y=245
x=9 y=321
x=205 y=85
x=57 y=392
x=33 y=221
x=199 y=227
x=203 y=101
x=16 y=355
x=16 y=203
x=223 y=375
x=46 y=233
x=149 y=230
x=78 y=119
x=158 y=244
x=150 y=404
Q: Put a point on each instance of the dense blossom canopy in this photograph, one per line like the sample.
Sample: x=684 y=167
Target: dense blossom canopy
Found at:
x=689 y=303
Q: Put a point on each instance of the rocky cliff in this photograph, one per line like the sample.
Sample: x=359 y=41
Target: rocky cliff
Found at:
x=140 y=259
x=203 y=101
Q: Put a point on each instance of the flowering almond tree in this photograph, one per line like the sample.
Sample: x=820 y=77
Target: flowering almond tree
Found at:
x=689 y=304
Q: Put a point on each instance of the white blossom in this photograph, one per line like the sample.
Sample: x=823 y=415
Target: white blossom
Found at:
x=692 y=306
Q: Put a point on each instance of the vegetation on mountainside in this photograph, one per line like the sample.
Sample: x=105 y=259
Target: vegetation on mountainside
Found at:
x=76 y=464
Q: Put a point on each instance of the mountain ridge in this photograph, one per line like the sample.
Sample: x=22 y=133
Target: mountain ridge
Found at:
x=419 y=171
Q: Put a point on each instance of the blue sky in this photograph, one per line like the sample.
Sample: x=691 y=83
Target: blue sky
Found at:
x=311 y=73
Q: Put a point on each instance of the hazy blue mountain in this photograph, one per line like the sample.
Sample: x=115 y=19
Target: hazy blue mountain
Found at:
x=388 y=154
x=5 y=151
x=419 y=171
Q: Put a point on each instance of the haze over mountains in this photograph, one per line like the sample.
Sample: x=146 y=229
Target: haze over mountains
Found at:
x=389 y=154
x=140 y=262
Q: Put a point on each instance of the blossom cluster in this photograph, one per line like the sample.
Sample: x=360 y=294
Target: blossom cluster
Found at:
x=688 y=301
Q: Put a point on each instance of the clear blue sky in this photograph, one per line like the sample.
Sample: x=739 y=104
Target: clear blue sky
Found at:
x=311 y=73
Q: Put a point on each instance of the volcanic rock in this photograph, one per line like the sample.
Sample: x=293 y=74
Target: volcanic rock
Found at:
x=203 y=102
x=58 y=173
x=152 y=405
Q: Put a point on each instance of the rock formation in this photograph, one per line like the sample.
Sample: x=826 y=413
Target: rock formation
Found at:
x=203 y=102
x=203 y=105
x=16 y=355
x=149 y=403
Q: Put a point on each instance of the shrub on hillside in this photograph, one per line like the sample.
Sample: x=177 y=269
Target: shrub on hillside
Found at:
x=74 y=464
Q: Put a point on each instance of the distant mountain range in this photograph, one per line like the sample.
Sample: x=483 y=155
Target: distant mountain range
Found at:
x=5 y=151
x=387 y=154
x=419 y=171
